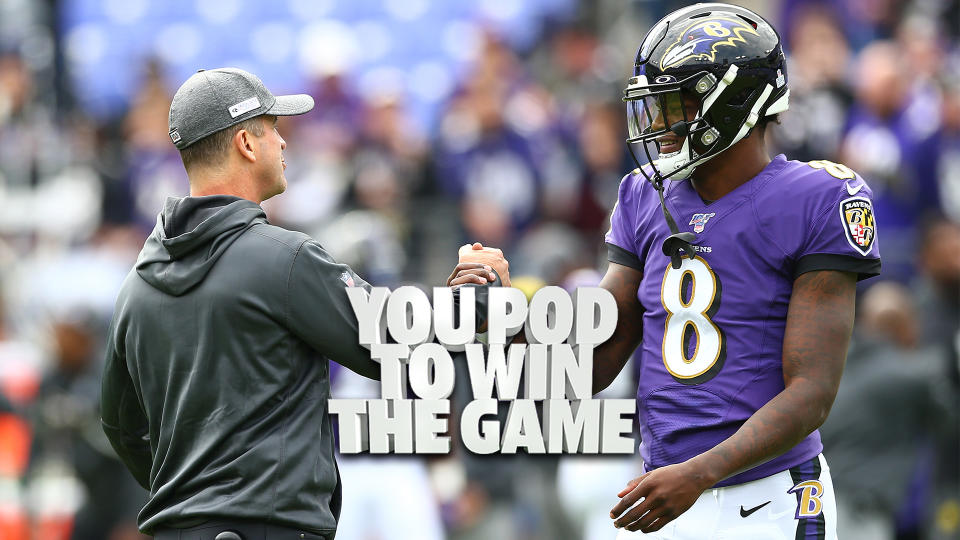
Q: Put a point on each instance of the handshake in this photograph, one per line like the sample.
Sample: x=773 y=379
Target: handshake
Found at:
x=477 y=264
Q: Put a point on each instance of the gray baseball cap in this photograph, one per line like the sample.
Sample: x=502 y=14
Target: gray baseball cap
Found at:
x=215 y=99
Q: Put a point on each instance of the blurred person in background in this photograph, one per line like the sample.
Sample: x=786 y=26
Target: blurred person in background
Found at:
x=893 y=408
x=577 y=72
x=153 y=169
x=937 y=287
x=338 y=122
x=482 y=161
x=948 y=142
x=388 y=169
x=921 y=39
x=389 y=136
x=551 y=250
x=69 y=445
x=603 y=159
x=819 y=93
x=569 y=63
x=29 y=152
x=50 y=193
x=863 y=21
x=937 y=290
x=319 y=188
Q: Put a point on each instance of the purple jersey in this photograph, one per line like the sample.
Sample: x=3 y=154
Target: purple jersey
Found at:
x=713 y=329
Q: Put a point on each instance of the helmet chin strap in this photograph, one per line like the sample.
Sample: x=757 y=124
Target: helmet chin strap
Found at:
x=675 y=166
x=678 y=243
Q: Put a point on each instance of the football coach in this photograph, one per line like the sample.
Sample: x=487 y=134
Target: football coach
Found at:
x=217 y=364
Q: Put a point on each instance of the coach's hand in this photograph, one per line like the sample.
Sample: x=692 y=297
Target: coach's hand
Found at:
x=667 y=492
x=492 y=257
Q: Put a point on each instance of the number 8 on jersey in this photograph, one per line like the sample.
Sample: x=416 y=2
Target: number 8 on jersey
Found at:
x=691 y=295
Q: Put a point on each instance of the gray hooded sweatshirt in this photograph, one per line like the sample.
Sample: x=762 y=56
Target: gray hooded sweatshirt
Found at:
x=217 y=378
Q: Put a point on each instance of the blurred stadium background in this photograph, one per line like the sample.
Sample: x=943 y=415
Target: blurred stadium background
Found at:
x=439 y=122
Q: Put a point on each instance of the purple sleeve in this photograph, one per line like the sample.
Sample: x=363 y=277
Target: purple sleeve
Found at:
x=843 y=233
x=621 y=238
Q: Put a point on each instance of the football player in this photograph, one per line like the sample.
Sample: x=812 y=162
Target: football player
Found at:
x=736 y=274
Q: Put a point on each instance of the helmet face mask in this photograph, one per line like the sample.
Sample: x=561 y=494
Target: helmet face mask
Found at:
x=668 y=115
x=729 y=60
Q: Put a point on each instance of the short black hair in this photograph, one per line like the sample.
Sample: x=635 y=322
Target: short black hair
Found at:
x=214 y=148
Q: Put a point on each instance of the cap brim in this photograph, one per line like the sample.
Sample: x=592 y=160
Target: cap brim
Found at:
x=291 y=105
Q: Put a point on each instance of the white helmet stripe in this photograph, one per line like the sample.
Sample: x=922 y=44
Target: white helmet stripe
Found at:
x=779 y=105
x=727 y=79
x=754 y=115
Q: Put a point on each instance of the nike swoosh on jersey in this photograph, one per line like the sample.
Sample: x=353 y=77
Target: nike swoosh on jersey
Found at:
x=745 y=513
x=854 y=190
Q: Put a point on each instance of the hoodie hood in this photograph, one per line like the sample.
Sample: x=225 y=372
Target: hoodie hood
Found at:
x=191 y=235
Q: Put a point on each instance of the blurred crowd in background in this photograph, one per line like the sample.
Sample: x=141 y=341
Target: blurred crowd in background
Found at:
x=499 y=122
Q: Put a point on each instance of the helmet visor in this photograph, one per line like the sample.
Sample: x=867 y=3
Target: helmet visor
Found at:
x=654 y=114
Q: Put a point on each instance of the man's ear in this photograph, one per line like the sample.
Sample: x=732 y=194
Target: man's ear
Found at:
x=243 y=142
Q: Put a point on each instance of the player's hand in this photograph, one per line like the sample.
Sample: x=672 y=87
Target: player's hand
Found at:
x=666 y=493
x=471 y=272
x=493 y=257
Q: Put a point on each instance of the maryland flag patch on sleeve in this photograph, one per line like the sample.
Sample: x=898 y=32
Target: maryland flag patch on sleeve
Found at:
x=859 y=223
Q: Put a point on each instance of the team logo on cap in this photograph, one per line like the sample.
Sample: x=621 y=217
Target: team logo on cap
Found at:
x=704 y=37
x=244 y=106
x=859 y=223
x=699 y=221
